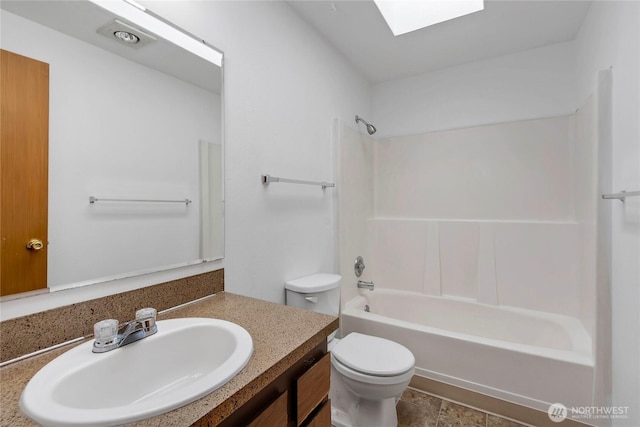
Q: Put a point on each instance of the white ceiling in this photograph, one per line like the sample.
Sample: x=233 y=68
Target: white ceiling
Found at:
x=356 y=28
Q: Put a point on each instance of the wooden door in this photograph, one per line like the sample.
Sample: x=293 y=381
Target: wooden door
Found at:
x=24 y=152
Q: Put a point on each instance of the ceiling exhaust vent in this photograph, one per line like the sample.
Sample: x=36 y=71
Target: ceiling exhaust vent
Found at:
x=126 y=34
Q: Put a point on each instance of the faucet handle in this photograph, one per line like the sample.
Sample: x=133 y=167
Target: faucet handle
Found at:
x=105 y=331
x=145 y=313
x=147 y=318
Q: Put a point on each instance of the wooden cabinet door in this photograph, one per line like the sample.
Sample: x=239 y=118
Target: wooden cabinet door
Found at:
x=274 y=415
x=322 y=417
x=24 y=152
x=313 y=388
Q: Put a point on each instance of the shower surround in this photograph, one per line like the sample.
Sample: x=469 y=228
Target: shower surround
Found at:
x=501 y=216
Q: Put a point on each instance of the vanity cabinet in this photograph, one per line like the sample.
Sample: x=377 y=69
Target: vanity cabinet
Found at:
x=297 y=397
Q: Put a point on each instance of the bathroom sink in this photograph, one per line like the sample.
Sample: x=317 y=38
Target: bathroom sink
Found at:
x=185 y=360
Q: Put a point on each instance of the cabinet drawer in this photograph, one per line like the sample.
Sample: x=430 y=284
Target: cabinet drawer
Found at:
x=274 y=415
x=322 y=418
x=312 y=388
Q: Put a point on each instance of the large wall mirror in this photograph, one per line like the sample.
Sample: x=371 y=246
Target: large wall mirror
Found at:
x=135 y=144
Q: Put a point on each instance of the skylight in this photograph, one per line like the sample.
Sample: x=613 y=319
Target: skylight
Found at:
x=404 y=16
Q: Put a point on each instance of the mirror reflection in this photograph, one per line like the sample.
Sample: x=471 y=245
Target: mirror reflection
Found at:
x=136 y=126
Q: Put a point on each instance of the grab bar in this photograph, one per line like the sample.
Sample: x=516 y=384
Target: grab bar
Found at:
x=266 y=179
x=621 y=195
x=93 y=199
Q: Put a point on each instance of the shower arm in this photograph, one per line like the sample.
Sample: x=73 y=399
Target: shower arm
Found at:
x=371 y=129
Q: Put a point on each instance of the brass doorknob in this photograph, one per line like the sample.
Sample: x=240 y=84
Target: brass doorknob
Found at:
x=35 y=245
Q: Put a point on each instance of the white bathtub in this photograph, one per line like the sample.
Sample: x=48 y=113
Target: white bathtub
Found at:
x=523 y=356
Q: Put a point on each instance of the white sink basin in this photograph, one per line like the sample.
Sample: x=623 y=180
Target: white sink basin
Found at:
x=185 y=360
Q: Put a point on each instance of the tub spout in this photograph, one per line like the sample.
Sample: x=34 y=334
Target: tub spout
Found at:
x=365 y=285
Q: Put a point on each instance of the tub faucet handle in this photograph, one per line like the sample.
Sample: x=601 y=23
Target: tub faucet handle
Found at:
x=358 y=266
x=365 y=285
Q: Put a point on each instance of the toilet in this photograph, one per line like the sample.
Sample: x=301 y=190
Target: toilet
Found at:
x=368 y=374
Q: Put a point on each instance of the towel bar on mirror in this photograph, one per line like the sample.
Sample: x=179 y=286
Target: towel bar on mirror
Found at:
x=621 y=195
x=266 y=179
x=93 y=199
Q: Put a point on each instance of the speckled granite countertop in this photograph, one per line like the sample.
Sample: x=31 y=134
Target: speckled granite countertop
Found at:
x=281 y=336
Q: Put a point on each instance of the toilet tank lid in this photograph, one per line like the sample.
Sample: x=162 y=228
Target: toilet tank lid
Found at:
x=314 y=283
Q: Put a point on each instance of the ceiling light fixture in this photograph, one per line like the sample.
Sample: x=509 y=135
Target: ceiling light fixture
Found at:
x=404 y=16
x=136 y=15
x=126 y=37
x=126 y=34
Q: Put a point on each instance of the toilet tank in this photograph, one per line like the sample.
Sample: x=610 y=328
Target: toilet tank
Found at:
x=318 y=292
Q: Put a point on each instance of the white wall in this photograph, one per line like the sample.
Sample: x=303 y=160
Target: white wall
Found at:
x=527 y=85
x=115 y=134
x=610 y=37
x=602 y=106
x=283 y=86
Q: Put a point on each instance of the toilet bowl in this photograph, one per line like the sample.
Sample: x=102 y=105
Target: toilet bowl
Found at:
x=368 y=374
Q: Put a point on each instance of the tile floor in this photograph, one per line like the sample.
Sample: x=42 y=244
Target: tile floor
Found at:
x=416 y=409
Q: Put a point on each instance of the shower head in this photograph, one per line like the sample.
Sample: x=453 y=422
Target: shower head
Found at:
x=371 y=129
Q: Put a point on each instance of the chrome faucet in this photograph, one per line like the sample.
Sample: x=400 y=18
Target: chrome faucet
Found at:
x=365 y=285
x=108 y=336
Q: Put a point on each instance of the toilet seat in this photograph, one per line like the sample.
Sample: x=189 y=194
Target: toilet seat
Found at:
x=370 y=379
x=371 y=359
